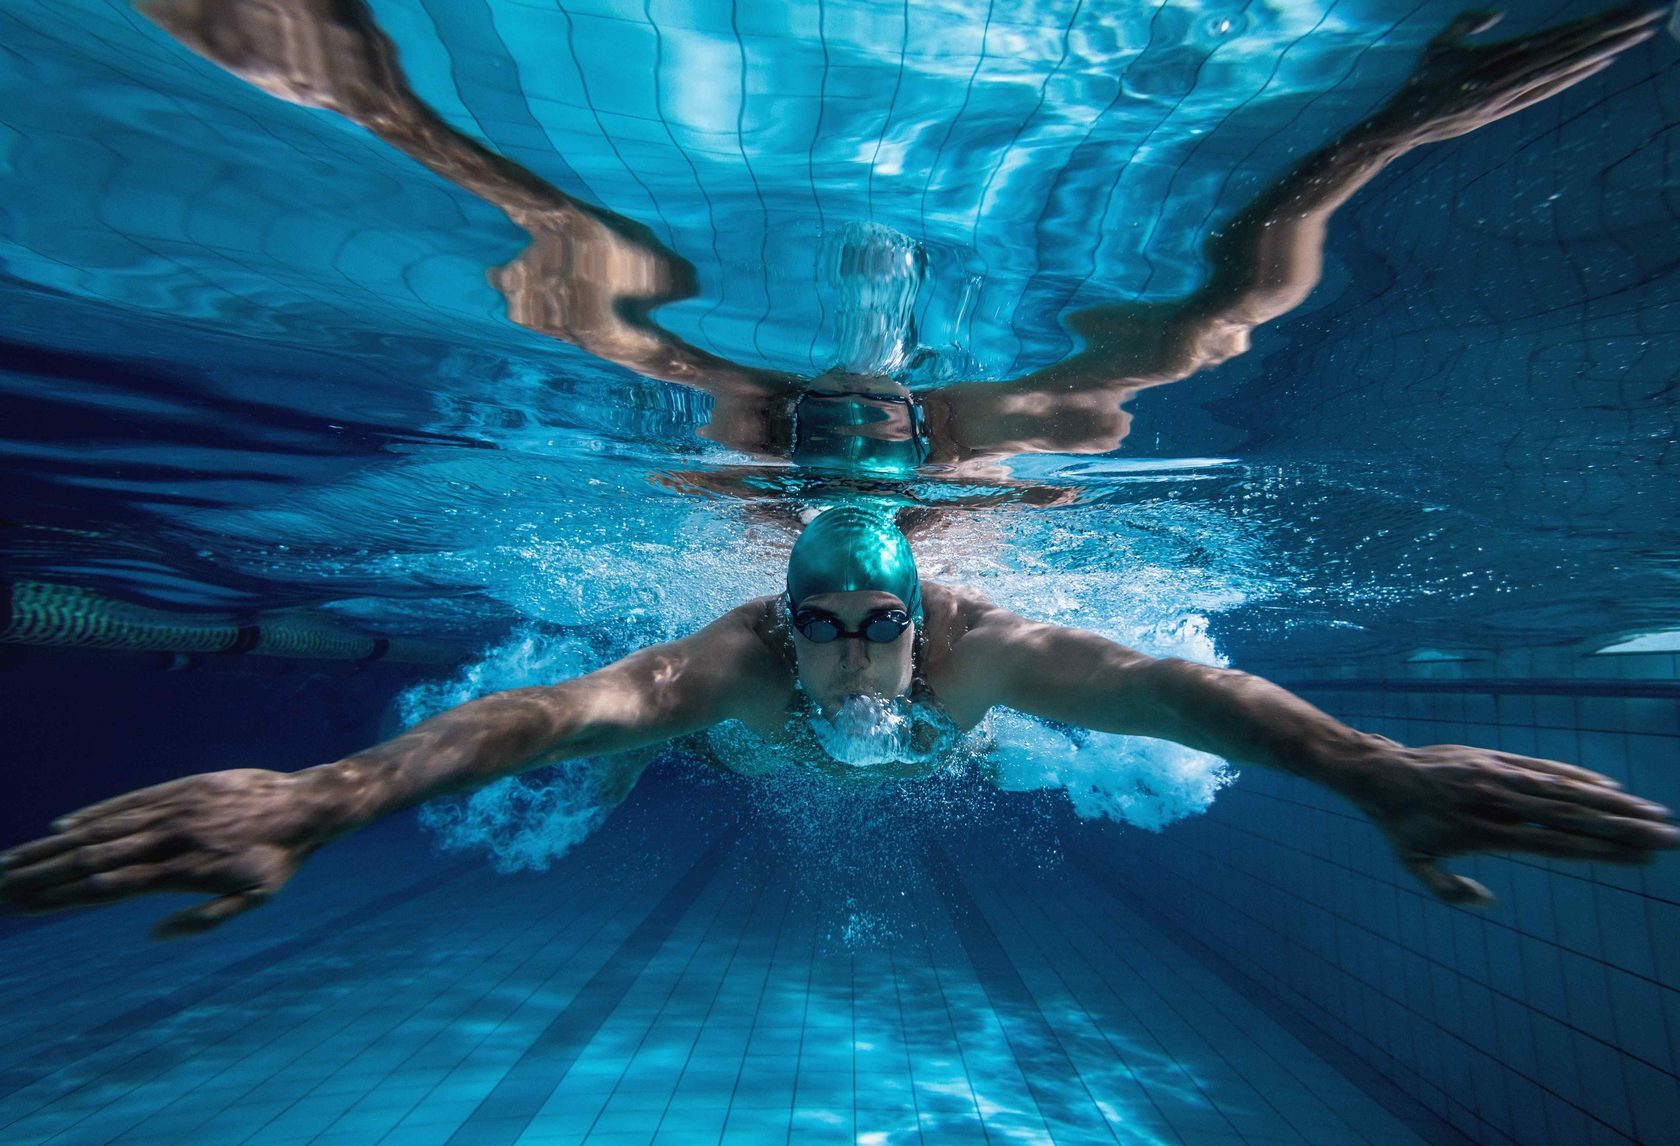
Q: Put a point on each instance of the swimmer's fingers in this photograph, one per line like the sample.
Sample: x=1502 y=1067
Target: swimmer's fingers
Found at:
x=147 y=879
x=89 y=832
x=1562 y=828
x=1625 y=25
x=103 y=887
x=1619 y=25
x=127 y=802
x=1536 y=805
x=1547 y=90
x=61 y=868
x=1628 y=842
x=1543 y=790
x=1557 y=768
x=1542 y=89
x=1467 y=24
x=1460 y=85
x=1544 y=67
x=1559 y=831
x=1563 y=843
x=34 y=852
x=1443 y=885
x=239 y=885
x=1503 y=88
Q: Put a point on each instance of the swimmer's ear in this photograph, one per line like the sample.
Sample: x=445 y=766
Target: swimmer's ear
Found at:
x=1459 y=890
x=1466 y=25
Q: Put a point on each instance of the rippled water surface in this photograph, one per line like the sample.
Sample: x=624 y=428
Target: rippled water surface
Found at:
x=257 y=354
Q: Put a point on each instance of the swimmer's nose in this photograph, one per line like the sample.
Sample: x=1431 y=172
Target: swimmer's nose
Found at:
x=856 y=655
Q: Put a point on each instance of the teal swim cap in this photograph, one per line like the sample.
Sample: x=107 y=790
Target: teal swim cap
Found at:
x=848 y=548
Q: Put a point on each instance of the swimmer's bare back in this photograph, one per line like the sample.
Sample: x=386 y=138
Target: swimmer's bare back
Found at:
x=239 y=835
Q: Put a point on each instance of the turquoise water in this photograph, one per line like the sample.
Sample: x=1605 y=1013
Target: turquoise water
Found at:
x=497 y=336
x=285 y=335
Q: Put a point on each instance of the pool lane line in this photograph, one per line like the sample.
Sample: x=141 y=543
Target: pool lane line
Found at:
x=507 y=1111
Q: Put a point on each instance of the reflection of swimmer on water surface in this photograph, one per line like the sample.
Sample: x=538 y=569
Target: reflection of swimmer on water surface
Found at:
x=860 y=438
x=860 y=664
x=593 y=278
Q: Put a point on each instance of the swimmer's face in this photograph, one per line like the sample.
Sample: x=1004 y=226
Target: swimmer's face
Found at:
x=831 y=672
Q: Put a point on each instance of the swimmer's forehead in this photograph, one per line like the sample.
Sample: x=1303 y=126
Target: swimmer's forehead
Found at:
x=858 y=602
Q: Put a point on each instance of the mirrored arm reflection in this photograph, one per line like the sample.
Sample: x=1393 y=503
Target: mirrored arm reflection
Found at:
x=1266 y=260
x=593 y=278
x=589 y=277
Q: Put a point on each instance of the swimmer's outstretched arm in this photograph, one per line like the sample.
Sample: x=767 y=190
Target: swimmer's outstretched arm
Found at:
x=239 y=835
x=1268 y=259
x=1432 y=802
x=590 y=277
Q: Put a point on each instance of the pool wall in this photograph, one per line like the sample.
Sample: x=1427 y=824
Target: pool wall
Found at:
x=1554 y=1016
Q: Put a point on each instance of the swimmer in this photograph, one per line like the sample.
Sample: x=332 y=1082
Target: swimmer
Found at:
x=855 y=624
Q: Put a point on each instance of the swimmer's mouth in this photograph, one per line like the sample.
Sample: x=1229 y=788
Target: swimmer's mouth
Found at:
x=874 y=696
x=846 y=697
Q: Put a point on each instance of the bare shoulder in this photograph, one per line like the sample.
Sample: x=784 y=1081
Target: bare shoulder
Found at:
x=739 y=649
x=981 y=654
x=732 y=667
x=968 y=637
x=754 y=634
x=956 y=613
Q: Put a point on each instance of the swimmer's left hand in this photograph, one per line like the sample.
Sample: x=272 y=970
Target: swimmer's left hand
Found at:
x=1445 y=800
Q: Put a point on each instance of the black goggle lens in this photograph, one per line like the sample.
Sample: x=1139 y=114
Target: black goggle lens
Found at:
x=818 y=630
x=885 y=629
x=878 y=628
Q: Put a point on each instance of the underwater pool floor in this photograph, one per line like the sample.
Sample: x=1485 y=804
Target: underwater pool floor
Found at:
x=651 y=989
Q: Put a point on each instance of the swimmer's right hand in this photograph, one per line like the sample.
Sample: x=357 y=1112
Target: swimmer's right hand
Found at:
x=238 y=835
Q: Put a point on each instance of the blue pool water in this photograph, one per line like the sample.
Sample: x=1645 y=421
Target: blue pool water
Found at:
x=296 y=354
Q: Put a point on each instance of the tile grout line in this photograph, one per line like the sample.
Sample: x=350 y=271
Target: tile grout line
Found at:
x=545 y=1062
x=122 y=1026
x=1383 y=1090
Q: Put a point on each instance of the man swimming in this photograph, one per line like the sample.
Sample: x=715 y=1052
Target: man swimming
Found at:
x=855 y=626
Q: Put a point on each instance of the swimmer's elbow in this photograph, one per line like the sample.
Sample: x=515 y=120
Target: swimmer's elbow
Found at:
x=1165 y=695
x=1175 y=682
x=644 y=700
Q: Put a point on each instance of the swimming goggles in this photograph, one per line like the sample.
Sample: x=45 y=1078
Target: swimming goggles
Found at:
x=879 y=628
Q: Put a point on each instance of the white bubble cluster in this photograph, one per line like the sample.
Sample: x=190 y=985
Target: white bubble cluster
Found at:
x=865 y=732
x=1134 y=780
x=526 y=822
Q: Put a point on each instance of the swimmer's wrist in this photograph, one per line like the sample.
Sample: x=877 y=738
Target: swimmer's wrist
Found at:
x=338 y=798
x=1364 y=767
